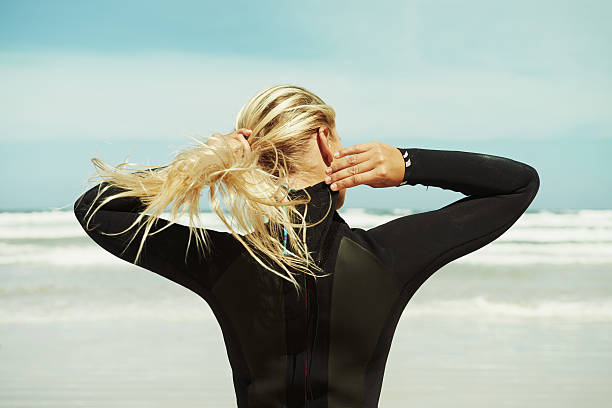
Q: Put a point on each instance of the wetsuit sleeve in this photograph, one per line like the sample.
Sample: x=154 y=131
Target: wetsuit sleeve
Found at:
x=164 y=252
x=498 y=191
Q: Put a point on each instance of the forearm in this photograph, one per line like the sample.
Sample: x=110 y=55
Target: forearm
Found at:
x=473 y=174
x=498 y=190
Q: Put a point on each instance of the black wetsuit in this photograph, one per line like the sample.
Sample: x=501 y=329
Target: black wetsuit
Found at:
x=329 y=348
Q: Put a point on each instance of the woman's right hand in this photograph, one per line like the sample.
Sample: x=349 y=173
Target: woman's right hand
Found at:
x=236 y=139
x=374 y=164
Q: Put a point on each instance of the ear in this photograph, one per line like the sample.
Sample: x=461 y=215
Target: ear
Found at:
x=323 y=135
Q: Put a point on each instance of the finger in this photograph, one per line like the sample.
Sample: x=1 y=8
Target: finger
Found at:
x=239 y=144
x=213 y=139
x=358 y=148
x=245 y=132
x=344 y=162
x=351 y=171
x=244 y=143
x=354 y=180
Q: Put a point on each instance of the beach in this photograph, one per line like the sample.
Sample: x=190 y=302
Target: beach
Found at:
x=524 y=321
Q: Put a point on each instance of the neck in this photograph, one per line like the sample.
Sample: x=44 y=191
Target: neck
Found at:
x=307 y=179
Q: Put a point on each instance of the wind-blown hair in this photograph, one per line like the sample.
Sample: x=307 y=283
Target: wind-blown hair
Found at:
x=252 y=187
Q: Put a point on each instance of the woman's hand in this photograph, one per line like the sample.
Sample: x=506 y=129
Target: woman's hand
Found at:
x=236 y=139
x=374 y=164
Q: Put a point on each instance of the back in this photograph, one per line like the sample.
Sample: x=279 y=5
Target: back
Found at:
x=329 y=347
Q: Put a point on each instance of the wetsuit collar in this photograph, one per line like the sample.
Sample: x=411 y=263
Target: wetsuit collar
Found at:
x=320 y=211
x=322 y=199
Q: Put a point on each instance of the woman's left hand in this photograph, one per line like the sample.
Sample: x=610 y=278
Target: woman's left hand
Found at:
x=374 y=164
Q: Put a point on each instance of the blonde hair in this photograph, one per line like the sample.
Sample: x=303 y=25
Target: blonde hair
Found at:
x=254 y=187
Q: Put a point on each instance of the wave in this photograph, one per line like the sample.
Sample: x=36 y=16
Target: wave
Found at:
x=496 y=253
x=66 y=255
x=109 y=311
x=540 y=226
x=545 y=237
x=499 y=253
x=479 y=307
x=63 y=224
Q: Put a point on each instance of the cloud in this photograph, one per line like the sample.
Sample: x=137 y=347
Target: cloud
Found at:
x=168 y=95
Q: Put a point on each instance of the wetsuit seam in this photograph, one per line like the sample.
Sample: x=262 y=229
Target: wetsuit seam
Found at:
x=378 y=260
x=502 y=198
x=238 y=258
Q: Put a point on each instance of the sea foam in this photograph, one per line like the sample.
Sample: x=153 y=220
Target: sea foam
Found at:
x=545 y=237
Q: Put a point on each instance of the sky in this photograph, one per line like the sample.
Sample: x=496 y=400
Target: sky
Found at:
x=528 y=80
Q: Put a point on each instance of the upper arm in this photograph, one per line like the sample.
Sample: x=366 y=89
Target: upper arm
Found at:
x=422 y=243
x=164 y=251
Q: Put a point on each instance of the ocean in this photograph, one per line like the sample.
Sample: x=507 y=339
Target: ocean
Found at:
x=524 y=322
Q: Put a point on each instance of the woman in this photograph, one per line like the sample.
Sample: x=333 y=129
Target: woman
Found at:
x=307 y=305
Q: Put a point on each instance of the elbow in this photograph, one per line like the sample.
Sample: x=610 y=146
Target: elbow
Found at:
x=82 y=205
x=534 y=181
x=79 y=209
x=85 y=201
x=532 y=185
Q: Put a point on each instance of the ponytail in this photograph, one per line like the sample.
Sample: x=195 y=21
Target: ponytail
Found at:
x=259 y=202
x=253 y=186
